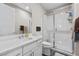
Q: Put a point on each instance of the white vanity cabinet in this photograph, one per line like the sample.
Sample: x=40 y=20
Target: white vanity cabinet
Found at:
x=38 y=49
x=28 y=50
x=33 y=49
x=25 y=47
x=16 y=52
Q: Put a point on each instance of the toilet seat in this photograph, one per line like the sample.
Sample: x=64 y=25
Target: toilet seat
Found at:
x=46 y=44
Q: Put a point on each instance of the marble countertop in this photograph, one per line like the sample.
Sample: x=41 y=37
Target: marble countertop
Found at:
x=9 y=44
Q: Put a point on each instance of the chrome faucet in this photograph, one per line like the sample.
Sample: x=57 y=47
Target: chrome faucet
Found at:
x=21 y=36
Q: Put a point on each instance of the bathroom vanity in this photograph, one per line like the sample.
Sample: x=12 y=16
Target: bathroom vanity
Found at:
x=18 y=45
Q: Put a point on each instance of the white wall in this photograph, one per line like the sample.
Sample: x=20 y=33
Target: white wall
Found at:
x=37 y=14
x=76 y=10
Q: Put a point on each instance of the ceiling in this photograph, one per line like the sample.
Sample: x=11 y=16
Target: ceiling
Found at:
x=45 y=6
x=49 y=6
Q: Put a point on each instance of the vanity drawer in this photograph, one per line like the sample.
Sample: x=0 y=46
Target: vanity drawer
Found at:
x=17 y=52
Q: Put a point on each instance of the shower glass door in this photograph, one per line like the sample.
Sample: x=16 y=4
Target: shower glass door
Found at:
x=57 y=29
x=63 y=32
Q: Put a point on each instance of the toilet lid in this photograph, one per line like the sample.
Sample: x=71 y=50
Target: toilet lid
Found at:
x=46 y=43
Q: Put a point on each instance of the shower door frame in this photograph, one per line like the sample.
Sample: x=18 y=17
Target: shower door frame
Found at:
x=54 y=35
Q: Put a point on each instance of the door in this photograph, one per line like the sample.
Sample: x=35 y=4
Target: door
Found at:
x=63 y=32
x=62 y=22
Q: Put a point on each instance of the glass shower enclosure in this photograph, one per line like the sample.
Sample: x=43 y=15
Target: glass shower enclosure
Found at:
x=57 y=30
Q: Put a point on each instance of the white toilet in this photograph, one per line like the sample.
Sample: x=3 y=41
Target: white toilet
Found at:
x=46 y=48
x=46 y=44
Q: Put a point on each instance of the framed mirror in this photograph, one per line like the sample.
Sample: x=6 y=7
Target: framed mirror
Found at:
x=14 y=19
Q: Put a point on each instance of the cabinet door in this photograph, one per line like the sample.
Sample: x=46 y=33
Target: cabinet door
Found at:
x=17 y=52
x=28 y=49
x=38 y=51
